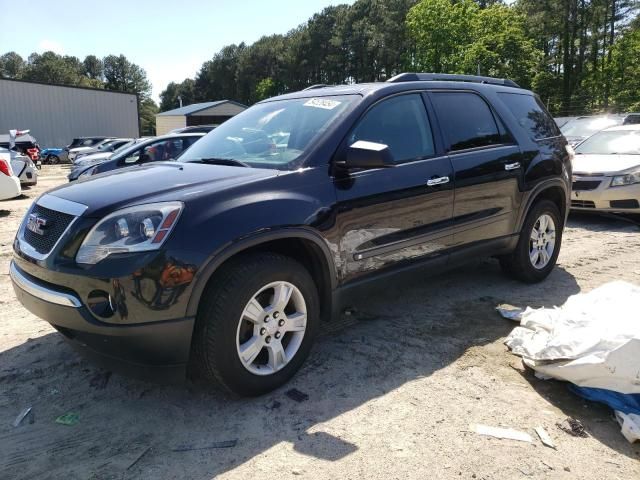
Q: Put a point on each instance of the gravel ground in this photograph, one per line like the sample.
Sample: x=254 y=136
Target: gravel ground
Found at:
x=393 y=389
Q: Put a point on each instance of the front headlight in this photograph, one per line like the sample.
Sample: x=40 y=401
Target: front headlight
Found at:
x=135 y=229
x=628 y=179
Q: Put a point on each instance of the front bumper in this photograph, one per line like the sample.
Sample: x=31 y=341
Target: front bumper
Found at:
x=157 y=350
x=603 y=197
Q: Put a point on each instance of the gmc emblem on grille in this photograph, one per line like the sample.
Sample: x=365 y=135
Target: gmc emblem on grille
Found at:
x=36 y=224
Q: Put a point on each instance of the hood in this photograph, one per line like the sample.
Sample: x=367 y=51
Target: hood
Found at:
x=92 y=159
x=156 y=182
x=604 y=163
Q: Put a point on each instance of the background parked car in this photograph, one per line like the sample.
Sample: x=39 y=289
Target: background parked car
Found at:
x=562 y=121
x=74 y=152
x=51 y=156
x=166 y=147
x=25 y=144
x=9 y=183
x=80 y=142
x=23 y=168
x=99 y=157
x=108 y=146
x=606 y=171
x=194 y=129
x=581 y=128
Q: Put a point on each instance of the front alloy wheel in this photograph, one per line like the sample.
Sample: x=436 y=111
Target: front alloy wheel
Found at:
x=271 y=328
x=256 y=323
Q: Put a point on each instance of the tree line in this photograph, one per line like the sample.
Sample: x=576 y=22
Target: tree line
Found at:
x=113 y=72
x=580 y=56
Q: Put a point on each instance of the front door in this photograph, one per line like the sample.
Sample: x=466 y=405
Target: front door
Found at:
x=390 y=215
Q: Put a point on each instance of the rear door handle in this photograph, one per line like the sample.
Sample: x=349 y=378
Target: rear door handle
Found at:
x=512 y=166
x=437 y=181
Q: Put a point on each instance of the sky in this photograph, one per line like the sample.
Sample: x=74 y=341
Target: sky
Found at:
x=169 y=39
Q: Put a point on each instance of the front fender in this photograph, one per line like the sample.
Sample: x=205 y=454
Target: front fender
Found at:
x=234 y=247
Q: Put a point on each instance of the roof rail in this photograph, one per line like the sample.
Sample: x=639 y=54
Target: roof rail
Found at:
x=450 y=77
x=318 y=85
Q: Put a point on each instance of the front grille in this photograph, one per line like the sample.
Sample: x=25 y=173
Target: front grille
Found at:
x=586 y=184
x=630 y=203
x=57 y=223
x=583 y=204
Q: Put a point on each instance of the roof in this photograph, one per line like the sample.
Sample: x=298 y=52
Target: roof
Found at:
x=365 y=89
x=196 y=107
x=79 y=87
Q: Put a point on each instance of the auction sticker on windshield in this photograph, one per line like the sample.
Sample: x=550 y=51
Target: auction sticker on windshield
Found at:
x=325 y=103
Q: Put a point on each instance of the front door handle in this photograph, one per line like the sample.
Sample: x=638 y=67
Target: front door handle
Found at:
x=512 y=166
x=437 y=181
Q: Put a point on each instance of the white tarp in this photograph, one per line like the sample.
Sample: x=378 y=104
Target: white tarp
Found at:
x=593 y=340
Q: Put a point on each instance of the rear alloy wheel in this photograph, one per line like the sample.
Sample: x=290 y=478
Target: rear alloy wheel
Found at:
x=538 y=247
x=256 y=323
x=53 y=160
x=542 y=241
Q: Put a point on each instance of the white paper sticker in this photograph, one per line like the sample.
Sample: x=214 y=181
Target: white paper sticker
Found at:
x=325 y=103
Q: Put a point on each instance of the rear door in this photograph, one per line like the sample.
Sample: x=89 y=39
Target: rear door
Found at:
x=487 y=166
x=386 y=216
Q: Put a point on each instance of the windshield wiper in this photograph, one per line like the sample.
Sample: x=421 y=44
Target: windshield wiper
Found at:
x=222 y=161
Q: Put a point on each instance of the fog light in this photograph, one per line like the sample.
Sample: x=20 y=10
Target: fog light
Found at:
x=101 y=304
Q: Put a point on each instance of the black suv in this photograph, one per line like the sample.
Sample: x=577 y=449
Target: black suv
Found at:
x=229 y=260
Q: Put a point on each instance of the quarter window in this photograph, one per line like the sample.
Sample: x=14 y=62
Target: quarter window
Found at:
x=402 y=124
x=466 y=120
x=531 y=115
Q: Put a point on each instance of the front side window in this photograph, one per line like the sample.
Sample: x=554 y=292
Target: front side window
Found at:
x=402 y=124
x=271 y=134
x=466 y=120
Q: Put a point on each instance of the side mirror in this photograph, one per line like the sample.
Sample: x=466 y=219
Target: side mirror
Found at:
x=368 y=155
x=132 y=159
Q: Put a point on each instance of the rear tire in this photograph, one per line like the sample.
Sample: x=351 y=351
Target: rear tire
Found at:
x=256 y=323
x=538 y=246
x=53 y=160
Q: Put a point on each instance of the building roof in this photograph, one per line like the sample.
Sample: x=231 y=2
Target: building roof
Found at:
x=196 y=107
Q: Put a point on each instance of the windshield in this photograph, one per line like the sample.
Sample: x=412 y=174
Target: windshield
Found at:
x=620 y=142
x=585 y=127
x=272 y=134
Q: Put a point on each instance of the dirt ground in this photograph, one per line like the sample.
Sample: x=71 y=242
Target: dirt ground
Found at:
x=391 y=395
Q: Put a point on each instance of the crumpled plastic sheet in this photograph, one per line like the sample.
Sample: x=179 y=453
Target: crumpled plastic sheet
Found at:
x=592 y=341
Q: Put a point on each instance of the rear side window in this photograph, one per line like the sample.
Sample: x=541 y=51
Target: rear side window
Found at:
x=531 y=115
x=402 y=124
x=467 y=120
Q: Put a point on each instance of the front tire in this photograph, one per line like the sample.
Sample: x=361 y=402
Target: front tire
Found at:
x=256 y=323
x=53 y=160
x=538 y=246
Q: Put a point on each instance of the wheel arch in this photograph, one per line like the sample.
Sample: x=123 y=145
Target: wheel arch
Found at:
x=302 y=244
x=554 y=190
